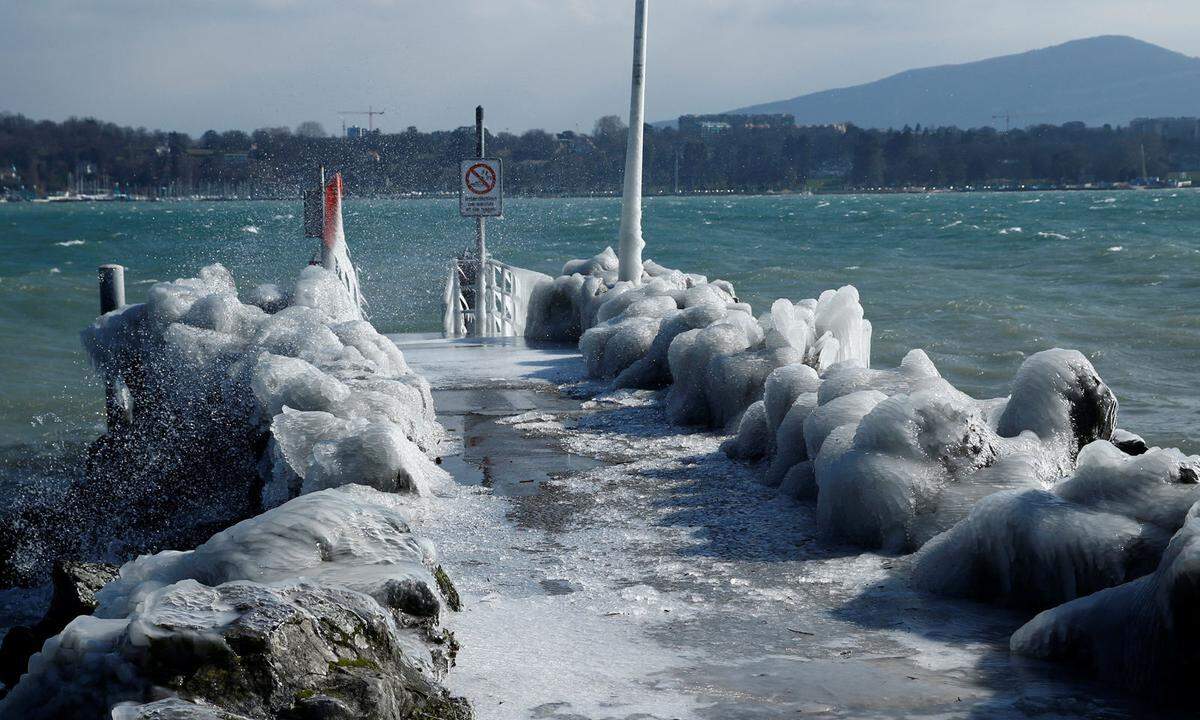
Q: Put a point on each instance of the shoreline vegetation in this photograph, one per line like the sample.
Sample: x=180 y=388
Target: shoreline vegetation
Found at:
x=448 y=196
x=87 y=159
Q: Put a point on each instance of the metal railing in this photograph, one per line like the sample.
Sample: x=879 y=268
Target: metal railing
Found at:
x=499 y=301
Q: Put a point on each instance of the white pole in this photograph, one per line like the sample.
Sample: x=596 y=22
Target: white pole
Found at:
x=631 y=202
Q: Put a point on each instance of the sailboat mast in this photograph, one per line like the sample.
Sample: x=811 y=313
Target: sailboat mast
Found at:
x=631 y=242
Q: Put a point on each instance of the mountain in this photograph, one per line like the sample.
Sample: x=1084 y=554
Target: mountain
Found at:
x=1109 y=79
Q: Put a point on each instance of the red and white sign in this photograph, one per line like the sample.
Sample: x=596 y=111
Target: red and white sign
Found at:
x=481 y=193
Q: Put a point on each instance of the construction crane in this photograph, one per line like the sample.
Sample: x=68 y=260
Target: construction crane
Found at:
x=1008 y=117
x=370 y=112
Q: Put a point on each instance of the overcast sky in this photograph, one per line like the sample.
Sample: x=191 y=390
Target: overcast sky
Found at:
x=559 y=64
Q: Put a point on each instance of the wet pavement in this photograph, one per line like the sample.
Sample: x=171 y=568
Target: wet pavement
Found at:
x=614 y=566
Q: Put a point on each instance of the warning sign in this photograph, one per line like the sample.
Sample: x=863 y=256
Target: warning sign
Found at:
x=482 y=192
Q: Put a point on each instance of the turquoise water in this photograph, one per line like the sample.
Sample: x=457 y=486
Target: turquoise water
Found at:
x=979 y=281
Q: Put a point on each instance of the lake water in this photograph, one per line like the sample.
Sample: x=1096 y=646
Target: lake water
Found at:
x=979 y=281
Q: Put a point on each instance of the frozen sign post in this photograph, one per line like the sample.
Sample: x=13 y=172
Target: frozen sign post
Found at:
x=481 y=196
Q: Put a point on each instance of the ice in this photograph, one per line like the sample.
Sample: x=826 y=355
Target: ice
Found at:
x=753 y=439
x=681 y=330
x=214 y=383
x=652 y=370
x=280 y=382
x=1058 y=396
x=338 y=561
x=736 y=381
x=269 y=297
x=788 y=446
x=1106 y=524
x=689 y=359
x=1141 y=635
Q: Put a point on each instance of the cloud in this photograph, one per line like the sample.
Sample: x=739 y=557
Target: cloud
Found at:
x=196 y=64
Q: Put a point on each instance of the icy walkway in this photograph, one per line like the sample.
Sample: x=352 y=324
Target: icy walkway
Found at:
x=613 y=566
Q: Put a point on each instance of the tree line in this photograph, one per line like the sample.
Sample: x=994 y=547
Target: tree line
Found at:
x=38 y=157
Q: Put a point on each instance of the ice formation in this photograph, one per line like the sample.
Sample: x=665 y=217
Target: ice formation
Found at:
x=1141 y=635
x=326 y=604
x=680 y=330
x=894 y=457
x=1036 y=499
x=233 y=407
x=319 y=396
x=1105 y=524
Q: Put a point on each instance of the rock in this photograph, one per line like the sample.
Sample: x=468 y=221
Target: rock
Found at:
x=1129 y=443
x=75 y=588
x=447 y=589
x=1057 y=393
x=293 y=650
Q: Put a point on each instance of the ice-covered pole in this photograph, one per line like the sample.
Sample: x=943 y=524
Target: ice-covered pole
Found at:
x=481 y=305
x=631 y=202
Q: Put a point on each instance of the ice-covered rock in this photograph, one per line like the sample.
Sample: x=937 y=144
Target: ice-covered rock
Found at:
x=1106 y=524
x=753 y=439
x=1142 y=635
x=1059 y=396
x=1129 y=443
x=211 y=381
x=689 y=358
x=327 y=604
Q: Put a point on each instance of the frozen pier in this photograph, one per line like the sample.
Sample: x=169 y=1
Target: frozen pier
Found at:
x=613 y=565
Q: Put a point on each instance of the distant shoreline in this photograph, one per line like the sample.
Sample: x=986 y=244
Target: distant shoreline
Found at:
x=615 y=195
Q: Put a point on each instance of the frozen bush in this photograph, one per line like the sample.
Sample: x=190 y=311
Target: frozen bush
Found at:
x=735 y=381
x=689 y=358
x=652 y=370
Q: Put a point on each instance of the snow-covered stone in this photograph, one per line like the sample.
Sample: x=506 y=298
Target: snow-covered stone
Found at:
x=1104 y=525
x=327 y=599
x=1141 y=635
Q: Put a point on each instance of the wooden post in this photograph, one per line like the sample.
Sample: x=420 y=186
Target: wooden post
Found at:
x=112 y=297
x=481 y=309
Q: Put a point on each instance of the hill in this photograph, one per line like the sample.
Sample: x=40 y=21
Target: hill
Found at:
x=1109 y=79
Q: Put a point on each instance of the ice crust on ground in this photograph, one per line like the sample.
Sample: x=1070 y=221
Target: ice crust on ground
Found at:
x=306 y=595
x=332 y=400
x=1032 y=500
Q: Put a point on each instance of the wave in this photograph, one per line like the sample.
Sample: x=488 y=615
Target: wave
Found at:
x=252 y=229
x=71 y=243
x=1053 y=236
x=1012 y=230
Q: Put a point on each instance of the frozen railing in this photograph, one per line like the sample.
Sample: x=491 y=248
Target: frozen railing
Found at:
x=505 y=303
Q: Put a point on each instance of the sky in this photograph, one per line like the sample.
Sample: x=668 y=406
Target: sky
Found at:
x=194 y=65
